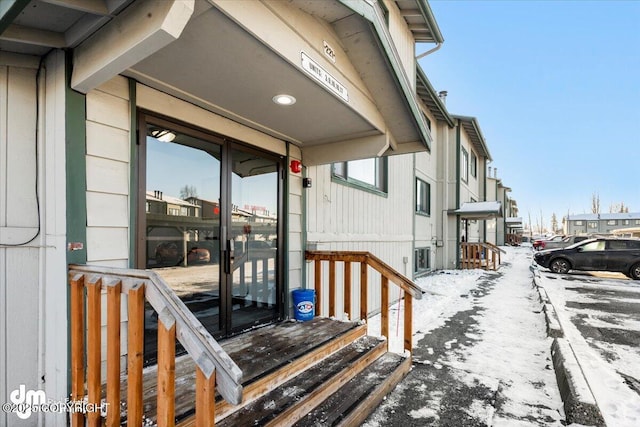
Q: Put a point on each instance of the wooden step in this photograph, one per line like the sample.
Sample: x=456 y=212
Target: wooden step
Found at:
x=295 y=398
x=357 y=399
x=269 y=357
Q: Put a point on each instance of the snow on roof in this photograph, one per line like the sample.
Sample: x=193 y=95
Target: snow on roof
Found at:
x=480 y=210
x=169 y=199
x=604 y=216
x=513 y=220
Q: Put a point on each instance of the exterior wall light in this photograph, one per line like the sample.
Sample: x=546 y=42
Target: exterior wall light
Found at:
x=284 y=99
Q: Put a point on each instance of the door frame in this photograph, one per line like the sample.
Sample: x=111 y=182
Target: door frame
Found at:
x=226 y=144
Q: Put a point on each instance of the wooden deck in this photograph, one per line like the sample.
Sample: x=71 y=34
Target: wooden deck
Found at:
x=269 y=357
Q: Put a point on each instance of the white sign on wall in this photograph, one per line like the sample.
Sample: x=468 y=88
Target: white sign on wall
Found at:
x=321 y=75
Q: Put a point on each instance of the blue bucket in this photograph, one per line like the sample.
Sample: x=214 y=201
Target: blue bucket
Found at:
x=304 y=304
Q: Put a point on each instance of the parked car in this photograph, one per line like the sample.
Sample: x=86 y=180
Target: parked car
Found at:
x=198 y=255
x=600 y=254
x=566 y=241
x=539 y=244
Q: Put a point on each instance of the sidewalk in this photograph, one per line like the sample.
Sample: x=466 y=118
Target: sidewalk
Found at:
x=481 y=353
x=597 y=350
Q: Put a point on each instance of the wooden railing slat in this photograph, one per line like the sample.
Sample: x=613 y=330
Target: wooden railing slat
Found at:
x=332 y=288
x=384 y=306
x=93 y=349
x=408 y=322
x=205 y=399
x=166 y=409
x=364 y=291
x=318 y=287
x=135 y=356
x=113 y=354
x=77 y=346
x=347 y=289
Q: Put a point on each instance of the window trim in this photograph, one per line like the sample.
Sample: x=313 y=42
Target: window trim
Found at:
x=474 y=165
x=419 y=271
x=382 y=175
x=464 y=159
x=427 y=210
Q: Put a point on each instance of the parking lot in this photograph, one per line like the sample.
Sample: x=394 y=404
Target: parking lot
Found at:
x=599 y=314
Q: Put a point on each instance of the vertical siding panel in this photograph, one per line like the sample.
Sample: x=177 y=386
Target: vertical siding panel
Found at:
x=3 y=147
x=22 y=302
x=20 y=149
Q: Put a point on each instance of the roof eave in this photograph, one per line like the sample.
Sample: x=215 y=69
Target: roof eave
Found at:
x=373 y=14
x=424 y=7
x=421 y=79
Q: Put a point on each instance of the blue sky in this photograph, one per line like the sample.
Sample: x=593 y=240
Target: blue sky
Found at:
x=555 y=86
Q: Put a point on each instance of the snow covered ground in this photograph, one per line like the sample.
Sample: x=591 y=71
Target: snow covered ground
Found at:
x=481 y=353
x=601 y=320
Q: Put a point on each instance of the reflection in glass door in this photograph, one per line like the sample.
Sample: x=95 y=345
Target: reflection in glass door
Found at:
x=209 y=226
x=253 y=246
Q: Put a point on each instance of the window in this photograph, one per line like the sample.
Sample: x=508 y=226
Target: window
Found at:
x=593 y=224
x=464 y=173
x=421 y=260
x=579 y=223
x=423 y=197
x=612 y=222
x=637 y=221
x=474 y=165
x=626 y=222
x=367 y=173
x=598 y=245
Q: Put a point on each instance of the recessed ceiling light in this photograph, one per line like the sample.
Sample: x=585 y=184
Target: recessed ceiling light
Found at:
x=163 y=135
x=283 y=99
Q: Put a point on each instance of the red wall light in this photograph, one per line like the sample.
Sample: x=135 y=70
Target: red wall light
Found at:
x=295 y=166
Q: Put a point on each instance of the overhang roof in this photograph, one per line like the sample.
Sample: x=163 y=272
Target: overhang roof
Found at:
x=514 y=221
x=420 y=19
x=430 y=98
x=480 y=210
x=238 y=78
x=472 y=127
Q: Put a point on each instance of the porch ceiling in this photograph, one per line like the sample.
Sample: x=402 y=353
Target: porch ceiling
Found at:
x=239 y=77
x=217 y=64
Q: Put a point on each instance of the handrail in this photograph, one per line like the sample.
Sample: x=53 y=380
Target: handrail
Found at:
x=387 y=273
x=177 y=322
x=494 y=247
x=480 y=255
x=368 y=258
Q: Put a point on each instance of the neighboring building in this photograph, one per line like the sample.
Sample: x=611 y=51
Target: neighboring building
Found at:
x=604 y=223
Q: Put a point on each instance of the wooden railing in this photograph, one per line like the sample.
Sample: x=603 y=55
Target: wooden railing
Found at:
x=387 y=274
x=175 y=321
x=480 y=255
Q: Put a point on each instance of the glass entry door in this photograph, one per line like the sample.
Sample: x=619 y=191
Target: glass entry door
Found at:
x=209 y=222
x=253 y=237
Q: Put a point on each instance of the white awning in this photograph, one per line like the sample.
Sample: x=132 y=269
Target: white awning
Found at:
x=480 y=210
x=513 y=222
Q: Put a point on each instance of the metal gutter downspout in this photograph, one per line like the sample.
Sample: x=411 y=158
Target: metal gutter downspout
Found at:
x=430 y=51
x=458 y=147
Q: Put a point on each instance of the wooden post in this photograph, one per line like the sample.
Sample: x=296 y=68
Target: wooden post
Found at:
x=94 y=349
x=385 y=307
x=347 y=289
x=135 y=360
x=332 y=288
x=113 y=354
x=364 y=289
x=205 y=399
x=166 y=372
x=408 y=321
x=77 y=346
x=318 y=285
